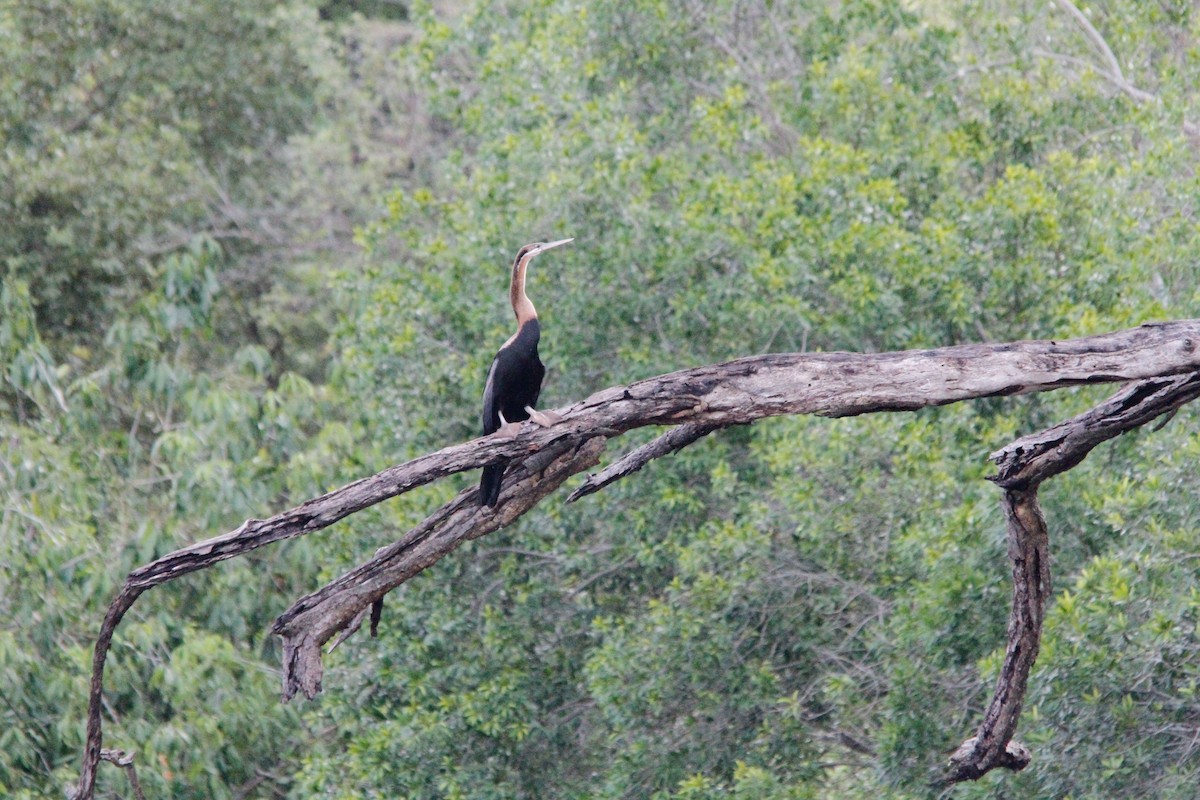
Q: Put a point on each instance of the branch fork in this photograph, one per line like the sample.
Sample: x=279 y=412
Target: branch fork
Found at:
x=1164 y=357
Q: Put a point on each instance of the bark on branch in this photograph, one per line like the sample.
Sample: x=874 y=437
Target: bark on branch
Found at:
x=704 y=399
x=315 y=618
x=1023 y=465
x=672 y=441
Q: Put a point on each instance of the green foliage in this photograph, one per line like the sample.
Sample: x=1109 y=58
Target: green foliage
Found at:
x=124 y=122
x=30 y=380
x=807 y=593
x=805 y=608
x=141 y=406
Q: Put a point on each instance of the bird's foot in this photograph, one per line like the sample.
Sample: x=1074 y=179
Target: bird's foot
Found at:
x=508 y=430
x=543 y=418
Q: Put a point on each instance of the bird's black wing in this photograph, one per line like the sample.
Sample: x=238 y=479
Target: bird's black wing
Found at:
x=489 y=482
x=491 y=407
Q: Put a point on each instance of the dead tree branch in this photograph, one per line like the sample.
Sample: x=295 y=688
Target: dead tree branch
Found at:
x=672 y=441
x=715 y=396
x=314 y=619
x=1023 y=465
x=1032 y=459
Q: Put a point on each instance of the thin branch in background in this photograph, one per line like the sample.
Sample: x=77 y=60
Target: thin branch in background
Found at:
x=1113 y=71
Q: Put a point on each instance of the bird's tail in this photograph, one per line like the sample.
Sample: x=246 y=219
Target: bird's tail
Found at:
x=489 y=484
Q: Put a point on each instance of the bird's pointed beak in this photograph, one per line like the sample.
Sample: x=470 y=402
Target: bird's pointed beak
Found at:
x=549 y=245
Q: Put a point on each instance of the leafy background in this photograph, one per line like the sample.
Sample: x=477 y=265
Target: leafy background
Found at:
x=251 y=252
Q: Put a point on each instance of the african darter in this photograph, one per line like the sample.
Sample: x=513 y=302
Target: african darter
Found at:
x=515 y=378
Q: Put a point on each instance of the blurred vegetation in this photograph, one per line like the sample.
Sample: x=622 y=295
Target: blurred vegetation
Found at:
x=250 y=252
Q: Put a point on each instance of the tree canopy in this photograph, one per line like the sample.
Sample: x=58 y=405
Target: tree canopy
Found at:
x=253 y=252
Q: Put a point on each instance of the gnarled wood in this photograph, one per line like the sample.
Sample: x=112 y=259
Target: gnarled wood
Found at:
x=737 y=392
x=1032 y=459
x=314 y=619
x=1023 y=465
x=1029 y=551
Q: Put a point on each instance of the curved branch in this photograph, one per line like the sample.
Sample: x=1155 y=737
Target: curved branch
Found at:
x=314 y=619
x=1023 y=465
x=741 y=391
x=93 y=752
x=1032 y=459
x=1029 y=550
x=125 y=761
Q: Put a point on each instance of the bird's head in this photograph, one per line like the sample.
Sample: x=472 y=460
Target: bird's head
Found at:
x=521 y=304
x=531 y=250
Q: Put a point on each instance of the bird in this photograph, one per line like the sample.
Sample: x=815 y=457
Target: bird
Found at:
x=514 y=380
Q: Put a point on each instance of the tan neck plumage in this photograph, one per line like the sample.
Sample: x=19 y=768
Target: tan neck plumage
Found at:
x=522 y=305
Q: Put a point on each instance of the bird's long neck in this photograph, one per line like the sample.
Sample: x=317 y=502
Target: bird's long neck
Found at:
x=522 y=305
